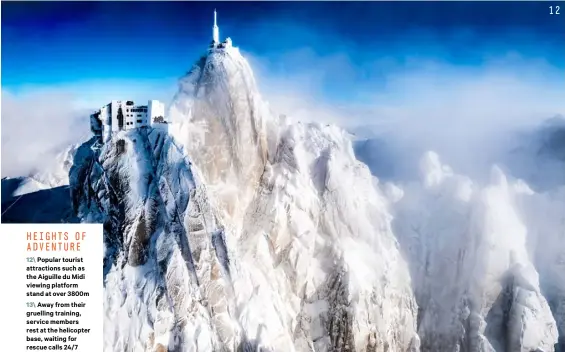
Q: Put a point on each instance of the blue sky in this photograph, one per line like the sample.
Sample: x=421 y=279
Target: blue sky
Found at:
x=424 y=64
x=48 y=43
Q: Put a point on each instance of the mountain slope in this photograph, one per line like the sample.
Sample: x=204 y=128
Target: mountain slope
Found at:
x=320 y=233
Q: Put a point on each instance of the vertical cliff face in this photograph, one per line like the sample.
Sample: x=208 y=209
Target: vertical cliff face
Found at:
x=220 y=120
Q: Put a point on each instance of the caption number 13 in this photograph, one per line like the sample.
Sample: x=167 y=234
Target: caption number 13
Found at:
x=556 y=10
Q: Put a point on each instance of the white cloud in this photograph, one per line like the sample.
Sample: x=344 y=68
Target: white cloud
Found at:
x=38 y=122
x=465 y=113
x=35 y=127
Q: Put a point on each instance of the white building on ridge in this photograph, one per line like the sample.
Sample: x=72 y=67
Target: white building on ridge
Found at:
x=121 y=115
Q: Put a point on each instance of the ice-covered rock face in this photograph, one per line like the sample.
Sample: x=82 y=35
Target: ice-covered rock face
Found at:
x=166 y=265
x=475 y=281
x=219 y=118
x=325 y=264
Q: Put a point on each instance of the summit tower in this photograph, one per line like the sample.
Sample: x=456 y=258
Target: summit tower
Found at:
x=216 y=36
x=215 y=30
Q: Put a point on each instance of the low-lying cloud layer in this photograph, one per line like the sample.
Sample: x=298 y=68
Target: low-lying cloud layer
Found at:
x=39 y=122
x=35 y=127
x=469 y=115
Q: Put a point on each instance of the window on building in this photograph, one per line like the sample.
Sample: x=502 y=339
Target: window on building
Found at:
x=120 y=118
x=138 y=121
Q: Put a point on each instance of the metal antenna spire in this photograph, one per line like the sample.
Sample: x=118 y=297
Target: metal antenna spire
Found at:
x=215 y=29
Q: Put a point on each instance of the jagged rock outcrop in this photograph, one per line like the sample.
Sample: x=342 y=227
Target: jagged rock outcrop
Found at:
x=294 y=227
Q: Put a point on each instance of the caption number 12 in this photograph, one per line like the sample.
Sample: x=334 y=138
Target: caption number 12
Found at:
x=556 y=10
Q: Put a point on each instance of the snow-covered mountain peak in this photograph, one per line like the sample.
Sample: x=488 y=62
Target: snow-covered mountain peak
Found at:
x=220 y=119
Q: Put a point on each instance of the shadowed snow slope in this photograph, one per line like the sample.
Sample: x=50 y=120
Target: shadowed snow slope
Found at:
x=242 y=232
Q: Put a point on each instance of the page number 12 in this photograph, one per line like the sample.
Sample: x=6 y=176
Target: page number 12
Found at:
x=556 y=10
